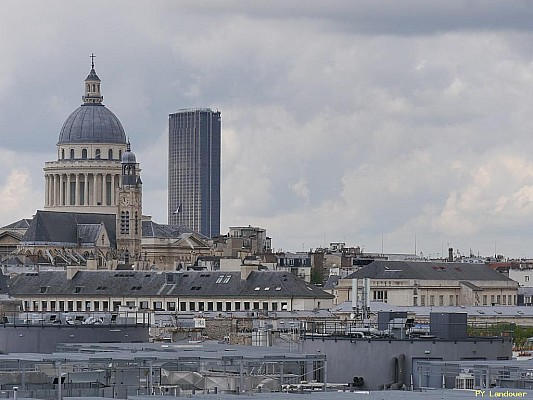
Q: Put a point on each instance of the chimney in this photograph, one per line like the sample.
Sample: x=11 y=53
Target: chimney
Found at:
x=246 y=270
x=72 y=270
x=450 y=254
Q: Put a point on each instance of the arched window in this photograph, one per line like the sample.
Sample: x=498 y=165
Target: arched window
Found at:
x=72 y=154
x=110 y=154
x=88 y=87
x=97 y=154
x=98 y=87
x=120 y=154
x=62 y=154
x=94 y=88
x=84 y=154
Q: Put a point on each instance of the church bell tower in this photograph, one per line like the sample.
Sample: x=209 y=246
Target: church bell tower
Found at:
x=129 y=214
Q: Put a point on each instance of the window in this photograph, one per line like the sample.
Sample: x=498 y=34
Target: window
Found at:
x=110 y=154
x=183 y=306
x=78 y=305
x=246 y=305
x=237 y=306
x=504 y=299
x=70 y=305
x=256 y=305
x=78 y=289
x=201 y=306
x=265 y=306
x=44 y=305
x=97 y=154
x=498 y=299
x=441 y=300
x=228 y=305
x=116 y=305
x=158 y=305
x=450 y=302
x=380 y=295
x=484 y=299
x=210 y=306
x=62 y=154
x=84 y=154
x=526 y=278
x=105 y=306
x=423 y=300
x=284 y=307
x=415 y=301
x=432 y=300
x=52 y=305
x=43 y=289
x=87 y=305
x=275 y=306
x=171 y=306
x=71 y=154
x=191 y=306
x=219 y=306
x=125 y=222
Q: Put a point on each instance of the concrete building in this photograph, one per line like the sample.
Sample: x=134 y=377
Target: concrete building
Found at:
x=194 y=170
x=405 y=283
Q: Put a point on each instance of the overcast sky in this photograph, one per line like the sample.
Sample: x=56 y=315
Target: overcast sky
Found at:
x=364 y=122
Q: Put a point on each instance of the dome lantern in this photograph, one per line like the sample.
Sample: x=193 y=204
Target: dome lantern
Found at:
x=92 y=87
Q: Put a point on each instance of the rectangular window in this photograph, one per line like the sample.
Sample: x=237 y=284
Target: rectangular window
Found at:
x=52 y=305
x=192 y=306
x=432 y=300
x=504 y=299
x=415 y=301
x=228 y=305
x=284 y=307
x=61 y=305
x=70 y=305
x=219 y=306
x=256 y=305
x=246 y=305
x=275 y=306
x=125 y=222
x=423 y=300
x=441 y=300
x=79 y=305
x=209 y=306
x=44 y=305
x=96 y=306
x=116 y=305
x=265 y=306
x=183 y=306
x=105 y=305
x=87 y=305
x=171 y=306
x=492 y=300
x=526 y=278
x=498 y=299
x=35 y=305
x=484 y=299
x=143 y=305
x=158 y=305
x=237 y=306
x=451 y=300
x=201 y=306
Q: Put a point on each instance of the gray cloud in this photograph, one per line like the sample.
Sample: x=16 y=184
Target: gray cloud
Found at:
x=356 y=121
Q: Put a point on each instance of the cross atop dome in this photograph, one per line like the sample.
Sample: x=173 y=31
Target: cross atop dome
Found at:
x=93 y=96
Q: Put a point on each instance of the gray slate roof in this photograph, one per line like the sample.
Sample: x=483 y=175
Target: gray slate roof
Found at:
x=153 y=229
x=92 y=123
x=64 y=227
x=428 y=271
x=20 y=224
x=178 y=284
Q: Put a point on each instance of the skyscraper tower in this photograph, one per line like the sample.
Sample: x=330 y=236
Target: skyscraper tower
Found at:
x=194 y=170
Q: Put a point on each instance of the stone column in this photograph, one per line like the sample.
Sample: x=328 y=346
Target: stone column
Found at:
x=95 y=191
x=67 y=195
x=61 y=191
x=54 y=197
x=104 y=189
x=86 y=190
x=77 y=191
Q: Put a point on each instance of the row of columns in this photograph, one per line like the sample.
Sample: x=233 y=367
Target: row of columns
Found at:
x=95 y=189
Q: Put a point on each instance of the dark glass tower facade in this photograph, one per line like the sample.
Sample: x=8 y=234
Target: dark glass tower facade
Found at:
x=194 y=170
